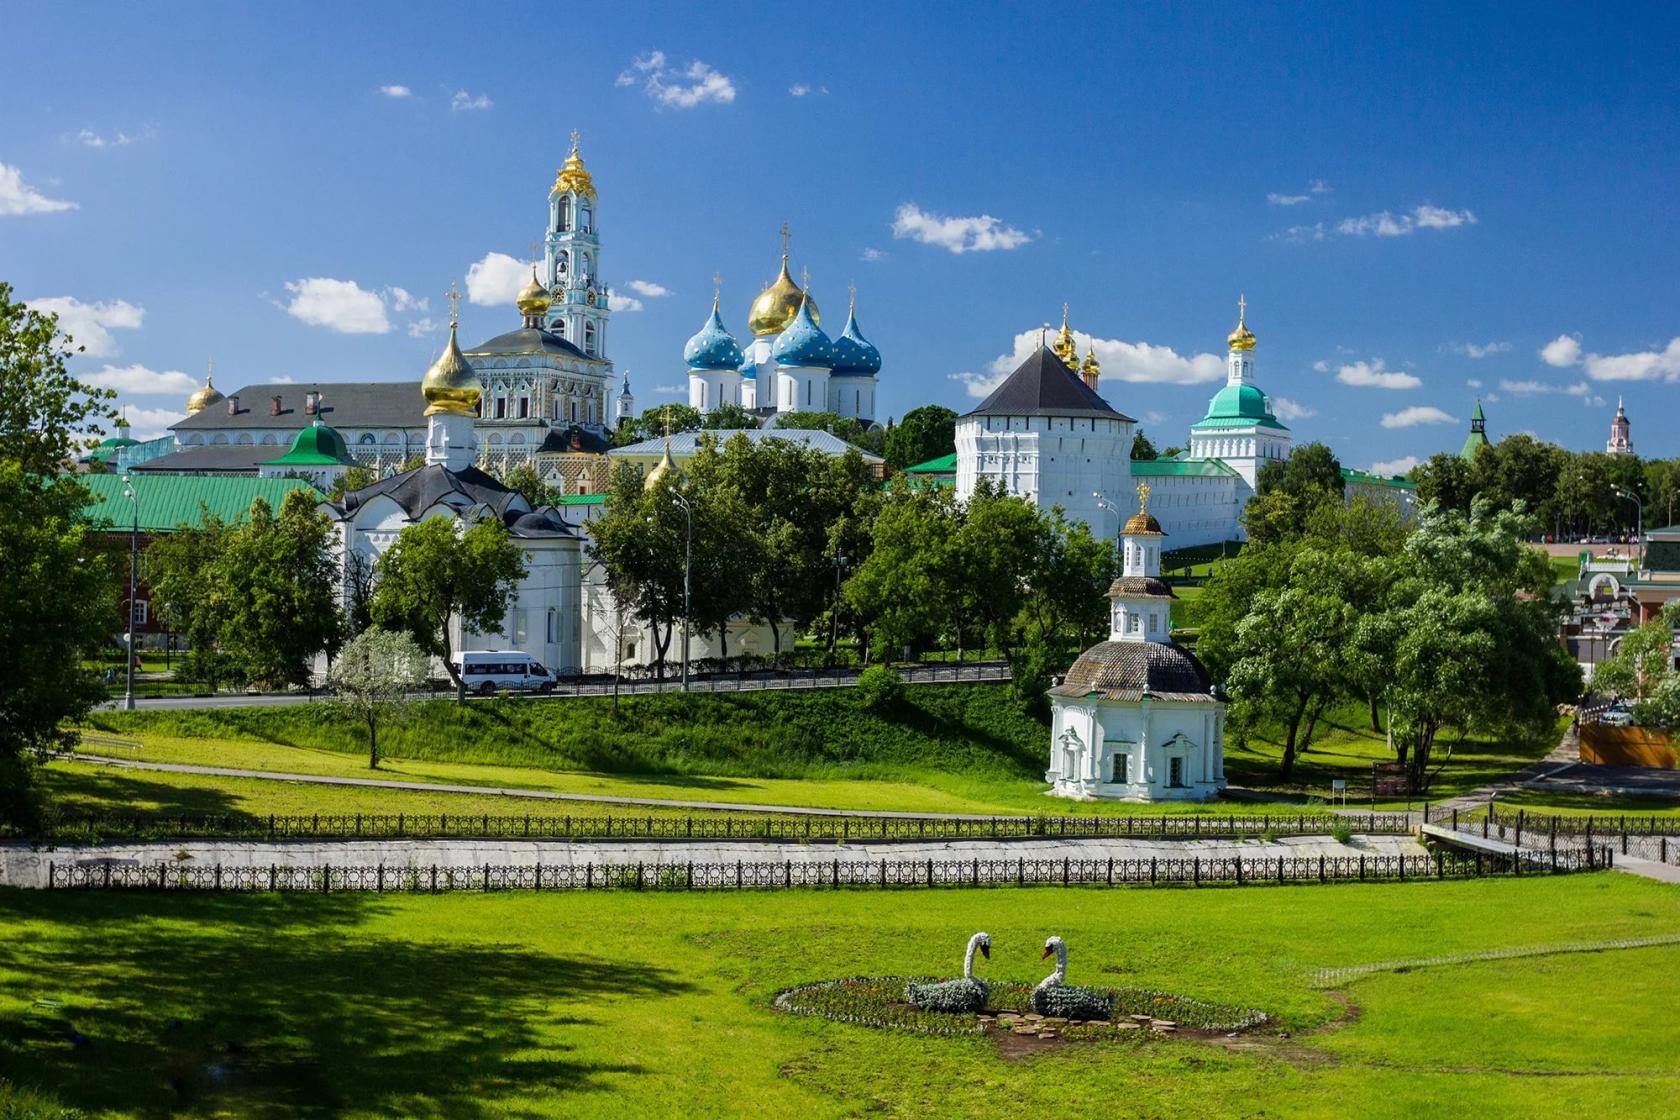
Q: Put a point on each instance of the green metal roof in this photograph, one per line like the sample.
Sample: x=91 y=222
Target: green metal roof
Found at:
x=315 y=446
x=581 y=499
x=1239 y=406
x=168 y=501
x=942 y=465
x=1366 y=478
x=1181 y=468
x=1473 y=443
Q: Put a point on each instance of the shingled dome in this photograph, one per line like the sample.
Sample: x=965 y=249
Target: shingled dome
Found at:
x=1135 y=670
x=1043 y=386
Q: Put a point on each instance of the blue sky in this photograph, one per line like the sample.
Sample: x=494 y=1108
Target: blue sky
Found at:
x=1421 y=202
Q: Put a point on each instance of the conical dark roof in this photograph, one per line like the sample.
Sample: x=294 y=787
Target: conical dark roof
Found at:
x=1043 y=386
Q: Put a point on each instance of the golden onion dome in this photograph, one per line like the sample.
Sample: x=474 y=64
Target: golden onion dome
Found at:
x=662 y=469
x=204 y=397
x=1242 y=338
x=1090 y=365
x=573 y=176
x=533 y=298
x=1065 y=347
x=451 y=385
x=776 y=305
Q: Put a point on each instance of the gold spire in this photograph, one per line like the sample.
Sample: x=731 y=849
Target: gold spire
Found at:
x=666 y=465
x=1242 y=338
x=1090 y=365
x=533 y=299
x=1142 y=523
x=573 y=176
x=777 y=304
x=207 y=396
x=1065 y=347
x=450 y=385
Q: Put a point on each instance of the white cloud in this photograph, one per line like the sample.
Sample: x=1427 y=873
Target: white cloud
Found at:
x=1477 y=350
x=421 y=328
x=18 y=197
x=1417 y=414
x=91 y=324
x=1436 y=217
x=1155 y=416
x=958 y=235
x=339 y=305
x=462 y=101
x=1314 y=232
x=1646 y=365
x=873 y=255
x=672 y=87
x=496 y=279
x=1474 y=383
x=401 y=300
x=1402 y=465
x=141 y=381
x=647 y=288
x=805 y=89
x=671 y=390
x=396 y=91
x=1579 y=389
x=1123 y=361
x=1319 y=186
x=1384 y=223
x=88 y=138
x=1285 y=409
x=1562 y=351
x=626 y=303
x=1276 y=199
x=1372 y=375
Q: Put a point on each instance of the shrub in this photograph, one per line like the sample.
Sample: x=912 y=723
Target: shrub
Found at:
x=880 y=689
x=1342 y=832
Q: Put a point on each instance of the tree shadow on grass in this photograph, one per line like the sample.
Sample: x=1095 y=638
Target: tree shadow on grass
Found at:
x=77 y=793
x=270 y=1006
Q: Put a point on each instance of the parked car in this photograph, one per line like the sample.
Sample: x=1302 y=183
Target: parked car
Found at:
x=487 y=671
x=1616 y=715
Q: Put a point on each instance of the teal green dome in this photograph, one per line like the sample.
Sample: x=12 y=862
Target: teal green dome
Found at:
x=1239 y=406
x=315 y=446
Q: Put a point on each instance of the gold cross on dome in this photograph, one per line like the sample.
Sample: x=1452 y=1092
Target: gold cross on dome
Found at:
x=786 y=235
x=209 y=368
x=717 y=289
x=804 y=278
x=536 y=248
x=1143 y=498
x=575 y=138
x=454 y=304
x=1242 y=308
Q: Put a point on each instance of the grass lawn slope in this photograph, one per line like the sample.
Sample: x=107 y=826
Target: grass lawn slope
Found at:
x=532 y=1005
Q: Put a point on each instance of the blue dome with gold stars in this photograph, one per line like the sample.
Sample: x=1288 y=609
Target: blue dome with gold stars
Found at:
x=854 y=355
x=748 y=367
x=803 y=343
x=714 y=347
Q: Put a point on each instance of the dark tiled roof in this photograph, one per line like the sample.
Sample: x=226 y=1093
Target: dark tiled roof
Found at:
x=423 y=487
x=219 y=458
x=1133 y=670
x=528 y=340
x=1141 y=586
x=1043 y=386
x=560 y=441
x=344 y=404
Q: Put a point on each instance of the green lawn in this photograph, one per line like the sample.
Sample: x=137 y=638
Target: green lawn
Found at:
x=1557 y=801
x=641 y=1005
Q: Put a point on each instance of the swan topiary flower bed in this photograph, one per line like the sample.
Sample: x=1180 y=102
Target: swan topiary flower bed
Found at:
x=878 y=1001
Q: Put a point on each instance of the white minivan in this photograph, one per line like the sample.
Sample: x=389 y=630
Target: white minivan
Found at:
x=487 y=672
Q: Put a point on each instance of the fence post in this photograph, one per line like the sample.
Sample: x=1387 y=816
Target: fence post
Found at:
x=1664 y=843
x=739 y=869
x=690 y=874
x=1624 y=836
x=1196 y=871
x=976 y=872
x=273 y=877
x=1455 y=818
x=930 y=872
x=1239 y=871
x=52 y=874
x=1020 y=872
x=1321 y=869
x=487 y=876
x=1110 y=869
x=358 y=824
x=434 y=878
x=1361 y=867
x=1151 y=869
x=1065 y=862
x=588 y=875
x=1486 y=817
x=1521 y=818
x=1589 y=830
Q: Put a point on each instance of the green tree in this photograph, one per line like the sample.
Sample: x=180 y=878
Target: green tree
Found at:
x=1068 y=599
x=1523 y=469
x=998 y=545
x=1289 y=492
x=374 y=678
x=903 y=589
x=638 y=541
x=655 y=421
x=525 y=479
x=183 y=569
x=353 y=479
x=1643 y=661
x=729 y=416
x=1142 y=448
x=434 y=572
x=1446 y=480
x=276 y=591
x=928 y=432
x=59 y=596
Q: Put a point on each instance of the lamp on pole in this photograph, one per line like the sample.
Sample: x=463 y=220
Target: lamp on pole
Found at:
x=688 y=564
x=1640 y=532
x=1104 y=503
x=133 y=579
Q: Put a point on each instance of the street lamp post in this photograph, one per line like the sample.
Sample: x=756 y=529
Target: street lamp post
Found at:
x=133 y=579
x=688 y=564
x=1640 y=532
x=1104 y=503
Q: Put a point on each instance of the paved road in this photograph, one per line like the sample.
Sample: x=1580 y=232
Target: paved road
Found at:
x=24 y=866
x=792 y=682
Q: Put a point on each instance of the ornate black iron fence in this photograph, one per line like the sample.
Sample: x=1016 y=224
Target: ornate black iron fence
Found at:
x=834 y=873
x=722 y=826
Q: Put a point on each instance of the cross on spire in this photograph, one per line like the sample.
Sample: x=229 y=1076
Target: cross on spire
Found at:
x=1242 y=309
x=805 y=278
x=717 y=289
x=575 y=137
x=786 y=235
x=851 y=290
x=454 y=305
x=1143 y=498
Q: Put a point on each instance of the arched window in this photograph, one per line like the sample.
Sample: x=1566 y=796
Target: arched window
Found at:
x=562 y=262
x=586 y=217
x=586 y=266
x=367 y=438
x=589 y=336
x=268 y=439
x=501 y=408
x=563 y=213
x=559 y=328
x=517 y=438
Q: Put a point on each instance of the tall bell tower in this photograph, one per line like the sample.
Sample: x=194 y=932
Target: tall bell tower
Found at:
x=573 y=259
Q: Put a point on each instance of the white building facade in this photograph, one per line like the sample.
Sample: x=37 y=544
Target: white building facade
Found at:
x=1136 y=719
